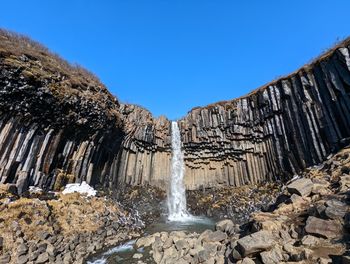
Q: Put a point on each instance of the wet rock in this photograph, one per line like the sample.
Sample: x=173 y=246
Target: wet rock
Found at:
x=302 y=187
x=256 y=242
x=137 y=256
x=323 y=228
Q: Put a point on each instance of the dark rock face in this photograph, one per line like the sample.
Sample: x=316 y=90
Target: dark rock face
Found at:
x=56 y=125
x=145 y=155
x=274 y=132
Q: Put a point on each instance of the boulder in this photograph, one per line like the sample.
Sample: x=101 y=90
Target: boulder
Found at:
x=22 y=259
x=256 y=242
x=216 y=236
x=145 y=241
x=302 y=187
x=246 y=261
x=335 y=209
x=310 y=241
x=5 y=259
x=323 y=228
x=22 y=249
x=42 y=258
x=225 y=226
x=273 y=256
x=181 y=244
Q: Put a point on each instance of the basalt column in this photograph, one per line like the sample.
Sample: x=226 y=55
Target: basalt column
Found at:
x=275 y=131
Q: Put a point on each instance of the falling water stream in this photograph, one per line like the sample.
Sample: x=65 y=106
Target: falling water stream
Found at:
x=177 y=194
x=178 y=218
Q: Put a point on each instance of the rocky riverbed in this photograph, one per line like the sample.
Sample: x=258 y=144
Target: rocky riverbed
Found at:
x=44 y=227
x=308 y=223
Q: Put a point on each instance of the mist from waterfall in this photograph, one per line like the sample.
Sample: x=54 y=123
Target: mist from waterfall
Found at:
x=177 y=193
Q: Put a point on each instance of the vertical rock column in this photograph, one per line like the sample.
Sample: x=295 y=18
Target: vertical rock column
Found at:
x=275 y=131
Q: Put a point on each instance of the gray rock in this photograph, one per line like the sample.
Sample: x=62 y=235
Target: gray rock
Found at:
x=203 y=255
x=302 y=187
x=274 y=256
x=181 y=244
x=22 y=249
x=33 y=255
x=42 y=258
x=22 y=259
x=323 y=228
x=216 y=236
x=145 y=241
x=246 y=261
x=335 y=209
x=67 y=258
x=225 y=226
x=51 y=250
x=256 y=242
x=310 y=241
x=5 y=259
x=43 y=235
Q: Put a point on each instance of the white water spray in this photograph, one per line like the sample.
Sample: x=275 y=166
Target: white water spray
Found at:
x=177 y=193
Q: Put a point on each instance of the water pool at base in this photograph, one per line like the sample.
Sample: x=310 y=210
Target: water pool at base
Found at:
x=123 y=254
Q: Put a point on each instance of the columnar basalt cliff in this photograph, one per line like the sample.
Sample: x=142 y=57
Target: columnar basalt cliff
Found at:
x=275 y=131
x=145 y=156
x=59 y=124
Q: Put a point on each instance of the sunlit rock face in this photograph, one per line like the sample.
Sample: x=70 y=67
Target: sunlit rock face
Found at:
x=273 y=132
x=59 y=124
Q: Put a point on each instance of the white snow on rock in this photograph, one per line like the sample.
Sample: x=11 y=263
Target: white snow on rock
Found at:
x=82 y=188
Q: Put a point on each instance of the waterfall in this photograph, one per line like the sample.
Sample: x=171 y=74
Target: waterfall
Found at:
x=177 y=194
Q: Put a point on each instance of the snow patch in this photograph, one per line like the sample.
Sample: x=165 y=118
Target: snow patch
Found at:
x=82 y=188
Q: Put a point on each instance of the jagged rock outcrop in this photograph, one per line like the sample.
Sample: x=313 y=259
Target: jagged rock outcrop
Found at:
x=275 y=131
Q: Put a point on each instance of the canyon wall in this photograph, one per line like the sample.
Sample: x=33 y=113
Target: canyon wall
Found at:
x=146 y=149
x=59 y=124
x=275 y=131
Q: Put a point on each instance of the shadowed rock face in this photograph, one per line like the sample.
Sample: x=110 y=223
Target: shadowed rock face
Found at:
x=59 y=124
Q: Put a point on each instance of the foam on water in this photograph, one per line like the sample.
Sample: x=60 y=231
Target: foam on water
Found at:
x=128 y=246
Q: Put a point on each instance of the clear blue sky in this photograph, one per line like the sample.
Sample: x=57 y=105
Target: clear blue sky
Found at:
x=172 y=55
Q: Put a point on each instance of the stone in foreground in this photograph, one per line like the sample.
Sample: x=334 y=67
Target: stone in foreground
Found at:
x=302 y=187
x=256 y=242
x=324 y=228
